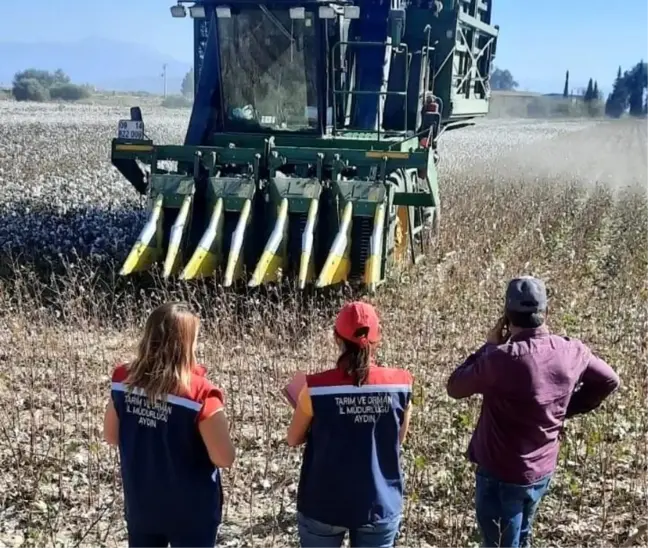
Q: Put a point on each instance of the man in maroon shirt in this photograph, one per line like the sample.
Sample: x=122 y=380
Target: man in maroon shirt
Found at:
x=531 y=381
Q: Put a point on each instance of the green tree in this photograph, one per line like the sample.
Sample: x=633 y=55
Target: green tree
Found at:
x=596 y=93
x=617 y=101
x=46 y=78
x=29 y=89
x=42 y=85
x=502 y=80
x=60 y=78
x=589 y=93
x=187 y=86
x=69 y=92
x=566 y=88
x=636 y=81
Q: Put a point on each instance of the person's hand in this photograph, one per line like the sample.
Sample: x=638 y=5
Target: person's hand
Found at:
x=499 y=333
x=562 y=434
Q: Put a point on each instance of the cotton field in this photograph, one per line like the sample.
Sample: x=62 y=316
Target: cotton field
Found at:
x=562 y=199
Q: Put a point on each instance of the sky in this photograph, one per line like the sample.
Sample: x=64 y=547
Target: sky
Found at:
x=539 y=39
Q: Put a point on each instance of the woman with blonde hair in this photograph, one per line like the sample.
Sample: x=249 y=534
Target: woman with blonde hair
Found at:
x=169 y=423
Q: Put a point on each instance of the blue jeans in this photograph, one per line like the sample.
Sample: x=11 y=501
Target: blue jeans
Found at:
x=203 y=538
x=505 y=511
x=315 y=534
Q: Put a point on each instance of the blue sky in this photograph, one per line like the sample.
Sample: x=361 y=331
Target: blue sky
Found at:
x=539 y=39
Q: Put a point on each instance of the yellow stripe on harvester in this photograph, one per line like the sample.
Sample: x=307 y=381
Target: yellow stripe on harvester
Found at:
x=173 y=259
x=306 y=265
x=148 y=247
x=207 y=256
x=234 y=263
x=338 y=264
x=267 y=269
x=373 y=264
x=134 y=148
x=394 y=154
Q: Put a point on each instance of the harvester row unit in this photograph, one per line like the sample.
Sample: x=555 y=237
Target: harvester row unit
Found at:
x=311 y=150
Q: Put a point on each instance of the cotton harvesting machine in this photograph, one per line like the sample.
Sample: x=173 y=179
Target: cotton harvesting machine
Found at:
x=311 y=150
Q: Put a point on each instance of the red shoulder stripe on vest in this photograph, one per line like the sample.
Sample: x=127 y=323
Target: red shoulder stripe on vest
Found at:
x=330 y=377
x=377 y=375
x=389 y=375
x=120 y=373
x=200 y=389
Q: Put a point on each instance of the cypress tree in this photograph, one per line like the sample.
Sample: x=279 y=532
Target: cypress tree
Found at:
x=635 y=82
x=589 y=93
x=617 y=101
x=566 y=89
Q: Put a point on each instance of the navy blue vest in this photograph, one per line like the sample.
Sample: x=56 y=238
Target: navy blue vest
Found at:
x=351 y=472
x=170 y=484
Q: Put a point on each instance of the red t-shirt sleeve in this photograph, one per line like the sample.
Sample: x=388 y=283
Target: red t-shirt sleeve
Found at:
x=213 y=402
x=119 y=373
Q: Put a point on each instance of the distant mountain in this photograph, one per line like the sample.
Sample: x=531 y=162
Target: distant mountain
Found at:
x=105 y=64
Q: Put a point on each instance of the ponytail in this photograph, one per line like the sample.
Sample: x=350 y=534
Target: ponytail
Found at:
x=355 y=360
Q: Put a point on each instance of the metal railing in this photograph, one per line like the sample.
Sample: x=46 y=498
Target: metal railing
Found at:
x=402 y=49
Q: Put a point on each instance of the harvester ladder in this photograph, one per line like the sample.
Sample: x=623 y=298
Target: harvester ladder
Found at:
x=382 y=94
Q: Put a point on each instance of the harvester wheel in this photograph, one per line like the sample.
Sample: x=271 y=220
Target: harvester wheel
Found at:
x=400 y=226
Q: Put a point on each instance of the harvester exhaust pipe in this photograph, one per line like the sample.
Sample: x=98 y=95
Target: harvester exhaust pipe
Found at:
x=306 y=266
x=148 y=247
x=269 y=267
x=174 y=259
x=233 y=271
x=338 y=263
x=208 y=254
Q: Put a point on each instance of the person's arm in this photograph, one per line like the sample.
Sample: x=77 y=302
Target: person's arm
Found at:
x=406 y=421
x=111 y=424
x=301 y=419
x=214 y=431
x=599 y=380
x=472 y=376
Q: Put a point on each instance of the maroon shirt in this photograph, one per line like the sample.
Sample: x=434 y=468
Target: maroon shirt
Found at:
x=528 y=388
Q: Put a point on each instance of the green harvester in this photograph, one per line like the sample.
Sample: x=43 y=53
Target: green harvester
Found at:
x=311 y=151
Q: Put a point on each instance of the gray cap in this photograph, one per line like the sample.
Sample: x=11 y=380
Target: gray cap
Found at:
x=526 y=294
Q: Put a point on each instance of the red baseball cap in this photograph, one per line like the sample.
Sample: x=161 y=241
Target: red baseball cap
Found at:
x=358 y=323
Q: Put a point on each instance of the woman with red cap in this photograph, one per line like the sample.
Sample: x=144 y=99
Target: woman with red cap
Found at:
x=353 y=419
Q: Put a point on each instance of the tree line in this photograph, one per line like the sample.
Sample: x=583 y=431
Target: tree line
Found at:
x=41 y=85
x=629 y=92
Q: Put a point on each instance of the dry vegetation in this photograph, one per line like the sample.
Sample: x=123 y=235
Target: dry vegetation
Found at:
x=562 y=200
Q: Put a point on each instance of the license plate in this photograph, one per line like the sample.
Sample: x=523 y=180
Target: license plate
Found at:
x=130 y=129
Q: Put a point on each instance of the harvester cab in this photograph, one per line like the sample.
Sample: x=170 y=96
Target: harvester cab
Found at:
x=311 y=149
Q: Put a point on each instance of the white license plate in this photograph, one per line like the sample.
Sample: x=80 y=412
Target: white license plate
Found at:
x=130 y=129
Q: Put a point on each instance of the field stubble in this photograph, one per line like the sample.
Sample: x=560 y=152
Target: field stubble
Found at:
x=562 y=200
